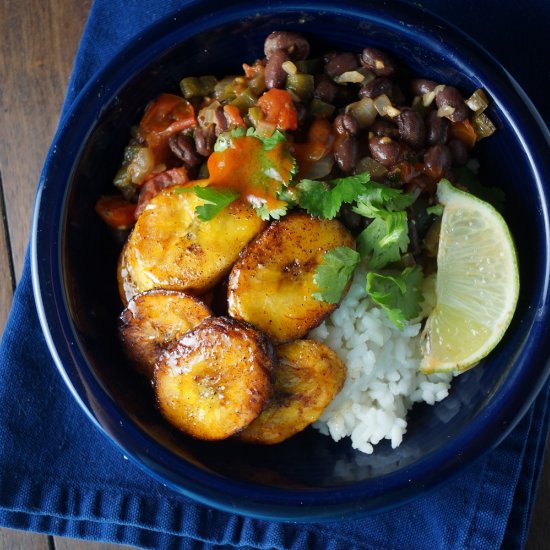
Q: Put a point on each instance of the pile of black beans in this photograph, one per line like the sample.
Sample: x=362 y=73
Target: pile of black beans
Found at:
x=412 y=145
x=415 y=134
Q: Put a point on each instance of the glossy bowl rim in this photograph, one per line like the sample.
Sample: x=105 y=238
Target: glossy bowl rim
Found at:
x=243 y=497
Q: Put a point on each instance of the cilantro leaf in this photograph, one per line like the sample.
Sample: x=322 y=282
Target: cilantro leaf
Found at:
x=269 y=141
x=384 y=239
x=380 y=196
x=215 y=201
x=399 y=295
x=324 y=200
x=261 y=167
x=333 y=275
x=435 y=210
x=224 y=139
x=264 y=213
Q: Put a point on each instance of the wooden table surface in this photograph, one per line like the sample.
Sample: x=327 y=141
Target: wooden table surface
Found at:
x=39 y=41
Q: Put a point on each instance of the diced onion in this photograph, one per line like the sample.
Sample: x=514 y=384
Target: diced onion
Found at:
x=483 y=126
x=142 y=165
x=264 y=128
x=384 y=107
x=445 y=111
x=207 y=115
x=392 y=111
x=224 y=88
x=289 y=67
x=363 y=111
x=354 y=77
x=319 y=169
x=428 y=97
x=373 y=167
x=478 y=101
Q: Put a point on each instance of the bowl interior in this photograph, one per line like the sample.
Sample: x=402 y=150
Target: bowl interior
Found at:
x=89 y=252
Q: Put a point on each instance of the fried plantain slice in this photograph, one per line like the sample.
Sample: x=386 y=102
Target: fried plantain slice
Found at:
x=171 y=248
x=153 y=320
x=308 y=376
x=215 y=380
x=271 y=285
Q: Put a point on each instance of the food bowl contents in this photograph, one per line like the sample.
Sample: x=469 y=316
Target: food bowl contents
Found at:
x=307 y=377
x=272 y=284
x=322 y=197
x=215 y=380
x=384 y=379
x=477 y=283
x=171 y=248
x=154 y=319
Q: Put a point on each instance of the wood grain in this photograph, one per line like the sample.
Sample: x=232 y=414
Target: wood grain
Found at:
x=39 y=40
x=6 y=272
x=74 y=544
x=20 y=540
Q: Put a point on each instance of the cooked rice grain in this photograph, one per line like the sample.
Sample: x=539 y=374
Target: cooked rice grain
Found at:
x=383 y=379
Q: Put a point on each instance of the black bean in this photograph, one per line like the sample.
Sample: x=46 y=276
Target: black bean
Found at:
x=327 y=56
x=220 y=120
x=275 y=75
x=376 y=87
x=184 y=148
x=438 y=160
x=459 y=152
x=421 y=86
x=346 y=124
x=382 y=127
x=346 y=153
x=341 y=63
x=385 y=150
x=451 y=97
x=437 y=129
x=325 y=89
x=293 y=43
x=205 y=137
x=411 y=128
x=349 y=218
x=377 y=61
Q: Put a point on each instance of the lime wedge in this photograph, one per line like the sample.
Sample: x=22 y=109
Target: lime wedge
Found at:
x=477 y=284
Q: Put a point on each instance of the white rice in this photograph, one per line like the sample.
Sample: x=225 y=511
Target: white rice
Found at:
x=383 y=377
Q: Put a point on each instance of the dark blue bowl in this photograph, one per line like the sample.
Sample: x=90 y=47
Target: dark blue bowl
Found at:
x=308 y=477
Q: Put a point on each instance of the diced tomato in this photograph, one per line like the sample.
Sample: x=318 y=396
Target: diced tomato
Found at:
x=320 y=141
x=116 y=211
x=278 y=107
x=233 y=116
x=463 y=131
x=166 y=115
x=153 y=186
x=408 y=170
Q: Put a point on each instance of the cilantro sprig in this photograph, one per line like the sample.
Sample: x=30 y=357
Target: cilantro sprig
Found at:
x=324 y=200
x=399 y=295
x=215 y=200
x=385 y=239
x=380 y=246
x=333 y=275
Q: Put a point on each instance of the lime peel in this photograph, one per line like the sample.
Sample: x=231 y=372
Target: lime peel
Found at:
x=477 y=284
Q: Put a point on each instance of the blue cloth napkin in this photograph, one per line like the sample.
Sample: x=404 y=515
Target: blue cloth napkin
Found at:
x=59 y=475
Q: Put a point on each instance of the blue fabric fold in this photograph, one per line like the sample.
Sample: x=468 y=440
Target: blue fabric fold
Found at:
x=59 y=475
